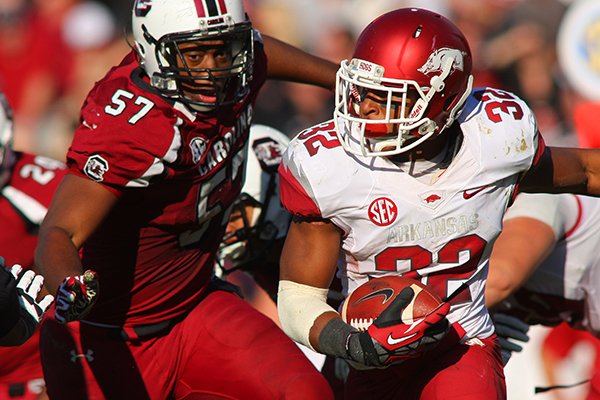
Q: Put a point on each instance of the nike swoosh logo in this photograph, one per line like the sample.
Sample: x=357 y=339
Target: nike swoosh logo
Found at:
x=387 y=293
x=468 y=194
x=392 y=342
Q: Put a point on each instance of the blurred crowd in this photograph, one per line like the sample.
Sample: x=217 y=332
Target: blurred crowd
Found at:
x=52 y=51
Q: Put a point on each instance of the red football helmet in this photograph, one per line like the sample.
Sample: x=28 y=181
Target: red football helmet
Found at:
x=417 y=65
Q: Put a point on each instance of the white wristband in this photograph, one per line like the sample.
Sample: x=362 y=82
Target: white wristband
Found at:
x=298 y=307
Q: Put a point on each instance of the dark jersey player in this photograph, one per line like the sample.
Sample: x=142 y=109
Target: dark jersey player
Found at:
x=130 y=240
x=27 y=183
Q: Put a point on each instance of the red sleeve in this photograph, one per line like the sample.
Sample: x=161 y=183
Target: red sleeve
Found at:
x=293 y=196
x=124 y=136
x=37 y=176
x=540 y=149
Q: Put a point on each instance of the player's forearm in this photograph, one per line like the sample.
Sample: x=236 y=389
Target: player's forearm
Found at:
x=56 y=257
x=592 y=165
x=287 y=62
x=495 y=292
x=516 y=255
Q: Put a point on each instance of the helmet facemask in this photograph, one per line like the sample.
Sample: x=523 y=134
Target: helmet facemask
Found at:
x=205 y=89
x=404 y=125
x=250 y=242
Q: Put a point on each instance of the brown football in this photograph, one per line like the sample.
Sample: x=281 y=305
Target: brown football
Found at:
x=368 y=300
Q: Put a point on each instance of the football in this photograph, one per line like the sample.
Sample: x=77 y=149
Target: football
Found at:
x=368 y=300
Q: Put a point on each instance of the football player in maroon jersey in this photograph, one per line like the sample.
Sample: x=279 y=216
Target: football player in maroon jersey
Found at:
x=27 y=183
x=130 y=241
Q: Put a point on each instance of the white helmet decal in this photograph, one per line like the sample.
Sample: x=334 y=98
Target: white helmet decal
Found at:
x=437 y=59
x=142 y=7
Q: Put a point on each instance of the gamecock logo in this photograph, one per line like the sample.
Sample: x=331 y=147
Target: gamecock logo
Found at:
x=95 y=167
x=268 y=152
x=437 y=59
x=383 y=211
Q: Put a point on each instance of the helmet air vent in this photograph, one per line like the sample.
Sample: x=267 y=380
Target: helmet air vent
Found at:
x=417 y=32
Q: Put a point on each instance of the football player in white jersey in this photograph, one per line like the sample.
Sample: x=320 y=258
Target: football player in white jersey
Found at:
x=412 y=177
x=545 y=267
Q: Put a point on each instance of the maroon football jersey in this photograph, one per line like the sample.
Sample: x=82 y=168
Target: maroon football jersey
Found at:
x=23 y=204
x=176 y=174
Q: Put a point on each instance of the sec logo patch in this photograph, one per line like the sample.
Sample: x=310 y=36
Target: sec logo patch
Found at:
x=383 y=211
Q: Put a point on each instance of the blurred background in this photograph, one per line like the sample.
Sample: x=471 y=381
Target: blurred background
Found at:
x=546 y=51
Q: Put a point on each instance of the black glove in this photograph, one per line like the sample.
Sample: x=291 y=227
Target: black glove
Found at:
x=508 y=330
x=9 y=300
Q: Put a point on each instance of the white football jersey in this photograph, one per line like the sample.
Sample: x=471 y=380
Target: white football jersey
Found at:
x=440 y=233
x=567 y=283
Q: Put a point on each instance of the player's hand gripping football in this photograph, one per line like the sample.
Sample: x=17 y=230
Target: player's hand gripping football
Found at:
x=76 y=296
x=391 y=340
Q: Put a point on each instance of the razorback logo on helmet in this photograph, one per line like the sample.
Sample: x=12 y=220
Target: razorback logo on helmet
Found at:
x=95 y=167
x=268 y=152
x=198 y=148
x=383 y=211
x=437 y=59
x=142 y=7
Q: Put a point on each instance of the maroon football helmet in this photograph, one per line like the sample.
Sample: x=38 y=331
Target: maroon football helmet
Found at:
x=415 y=63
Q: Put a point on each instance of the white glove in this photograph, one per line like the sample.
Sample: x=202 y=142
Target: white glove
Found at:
x=29 y=286
x=508 y=330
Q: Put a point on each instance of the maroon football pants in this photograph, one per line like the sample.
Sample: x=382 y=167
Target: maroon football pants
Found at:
x=224 y=349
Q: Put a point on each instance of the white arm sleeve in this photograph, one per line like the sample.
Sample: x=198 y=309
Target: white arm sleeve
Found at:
x=558 y=211
x=298 y=307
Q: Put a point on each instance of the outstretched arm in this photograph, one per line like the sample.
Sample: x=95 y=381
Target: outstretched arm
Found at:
x=565 y=170
x=523 y=244
x=286 y=62
x=78 y=207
